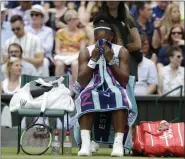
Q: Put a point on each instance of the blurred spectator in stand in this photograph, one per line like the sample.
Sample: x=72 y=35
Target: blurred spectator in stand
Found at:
x=9 y=86
x=6 y=31
x=76 y=4
x=181 y=8
x=48 y=4
x=176 y=38
x=144 y=24
x=147 y=71
x=15 y=50
x=146 y=49
x=133 y=7
x=23 y=11
x=163 y=27
x=172 y=75
x=133 y=10
x=31 y=45
x=39 y=17
x=159 y=9
x=56 y=15
x=86 y=13
x=13 y=4
x=126 y=31
x=95 y=10
x=158 y=15
x=13 y=70
x=56 y=10
x=69 y=41
x=71 y=5
x=129 y=4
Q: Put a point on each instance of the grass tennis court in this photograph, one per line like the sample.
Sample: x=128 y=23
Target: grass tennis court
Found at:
x=104 y=153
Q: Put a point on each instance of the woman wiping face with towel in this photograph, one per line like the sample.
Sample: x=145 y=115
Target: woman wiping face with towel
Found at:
x=106 y=73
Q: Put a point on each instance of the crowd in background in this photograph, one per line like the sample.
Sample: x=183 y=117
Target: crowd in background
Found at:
x=44 y=38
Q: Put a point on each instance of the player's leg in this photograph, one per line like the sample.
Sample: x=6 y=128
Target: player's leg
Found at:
x=86 y=122
x=118 y=121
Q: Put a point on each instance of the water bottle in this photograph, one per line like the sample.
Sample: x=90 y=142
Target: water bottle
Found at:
x=67 y=144
x=55 y=146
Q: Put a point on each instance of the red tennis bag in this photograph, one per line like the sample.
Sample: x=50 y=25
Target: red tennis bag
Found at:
x=159 y=138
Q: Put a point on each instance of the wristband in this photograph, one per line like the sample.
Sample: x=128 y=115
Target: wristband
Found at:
x=93 y=59
x=91 y=64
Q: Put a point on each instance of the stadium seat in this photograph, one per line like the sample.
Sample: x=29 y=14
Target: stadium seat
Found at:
x=36 y=112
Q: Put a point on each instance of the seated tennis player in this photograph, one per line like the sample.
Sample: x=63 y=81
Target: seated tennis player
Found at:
x=103 y=75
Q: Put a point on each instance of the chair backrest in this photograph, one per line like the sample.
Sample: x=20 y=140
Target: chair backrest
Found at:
x=28 y=78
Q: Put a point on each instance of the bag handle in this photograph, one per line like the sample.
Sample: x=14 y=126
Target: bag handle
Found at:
x=50 y=83
x=59 y=81
x=163 y=126
x=154 y=134
x=43 y=106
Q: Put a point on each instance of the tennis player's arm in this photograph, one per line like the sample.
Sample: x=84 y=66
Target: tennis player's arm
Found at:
x=85 y=73
x=121 y=72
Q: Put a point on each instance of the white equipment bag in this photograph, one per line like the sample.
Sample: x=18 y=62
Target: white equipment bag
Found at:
x=57 y=98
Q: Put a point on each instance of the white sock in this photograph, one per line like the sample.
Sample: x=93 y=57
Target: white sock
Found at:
x=118 y=137
x=85 y=136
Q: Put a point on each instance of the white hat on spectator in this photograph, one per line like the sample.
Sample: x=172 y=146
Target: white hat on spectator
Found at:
x=3 y=8
x=40 y=9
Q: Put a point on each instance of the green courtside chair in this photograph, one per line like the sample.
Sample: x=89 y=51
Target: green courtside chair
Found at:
x=36 y=112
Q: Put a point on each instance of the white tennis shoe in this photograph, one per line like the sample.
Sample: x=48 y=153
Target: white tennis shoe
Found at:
x=94 y=147
x=85 y=150
x=117 y=150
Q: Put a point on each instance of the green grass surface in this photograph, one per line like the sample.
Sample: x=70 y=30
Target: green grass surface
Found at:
x=104 y=153
x=7 y=152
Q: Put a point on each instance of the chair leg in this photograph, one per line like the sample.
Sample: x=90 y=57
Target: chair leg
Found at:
x=67 y=122
x=19 y=134
x=62 y=120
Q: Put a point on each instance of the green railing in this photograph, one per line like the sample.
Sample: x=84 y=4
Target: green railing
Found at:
x=169 y=108
x=178 y=118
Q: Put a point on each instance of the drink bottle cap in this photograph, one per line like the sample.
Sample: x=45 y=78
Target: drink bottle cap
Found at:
x=57 y=133
x=67 y=133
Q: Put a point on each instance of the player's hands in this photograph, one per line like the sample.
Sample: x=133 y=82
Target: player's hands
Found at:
x=95 y=53
x=108 y=53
